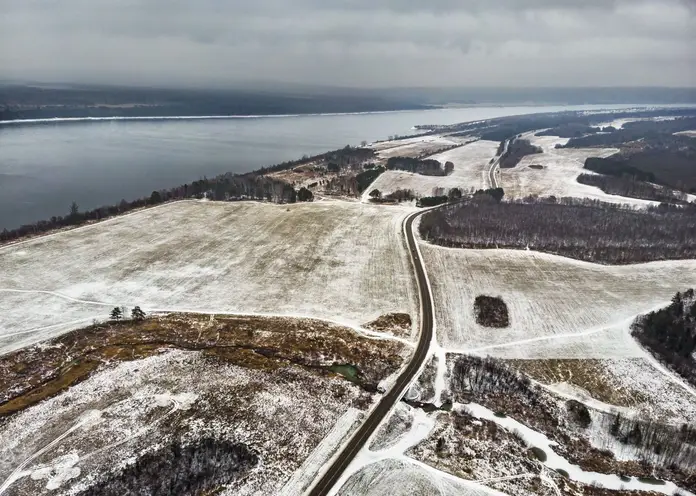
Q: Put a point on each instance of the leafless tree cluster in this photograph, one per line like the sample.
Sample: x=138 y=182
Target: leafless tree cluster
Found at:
x=631 y=187
x=577 y=228
x=396 y=196
x=474 y=376
x=425 y=167
x=200 y=468
x=659 y=445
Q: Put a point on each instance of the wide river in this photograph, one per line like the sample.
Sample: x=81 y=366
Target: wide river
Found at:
x=44 y=167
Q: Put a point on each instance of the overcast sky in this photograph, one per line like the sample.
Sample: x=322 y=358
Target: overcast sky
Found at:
x=361 y=43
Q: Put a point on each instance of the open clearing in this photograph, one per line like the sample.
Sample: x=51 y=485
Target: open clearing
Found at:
x=334 y=260
x=559 y=172
x=559 y=307
x=471 y=164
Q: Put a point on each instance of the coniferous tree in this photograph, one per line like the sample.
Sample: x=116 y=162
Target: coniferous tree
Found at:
x=116 y=313
x=137 y=313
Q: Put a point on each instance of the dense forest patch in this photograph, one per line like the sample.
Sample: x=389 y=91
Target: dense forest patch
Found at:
x=672 y=168
x=652 y=133
x=583 y=229
x=491 y=311
x=670 y=334
x=425 y=167
x=516 y=150
x=630 y=187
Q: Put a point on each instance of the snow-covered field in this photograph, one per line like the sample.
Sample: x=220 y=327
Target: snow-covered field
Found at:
x=558 y=177
x=341 y=261
x=404 y=477
x=559 y=307
x=471 y=164
x=413 y=147
x=107 y=421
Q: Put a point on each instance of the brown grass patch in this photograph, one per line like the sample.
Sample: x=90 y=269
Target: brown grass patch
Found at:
x=30 y=375
x=588 y=374
x=398 y=324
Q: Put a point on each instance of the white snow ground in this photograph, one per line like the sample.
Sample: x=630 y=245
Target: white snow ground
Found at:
x=386 y=470
x=559 y=307
x=561 y=167
x=340 y=261
x=470 y=171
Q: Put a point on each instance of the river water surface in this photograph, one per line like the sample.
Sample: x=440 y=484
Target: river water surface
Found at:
x=44 y=167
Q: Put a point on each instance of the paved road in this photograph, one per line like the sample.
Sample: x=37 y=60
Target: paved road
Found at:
x=329 y=479
x=494 y=167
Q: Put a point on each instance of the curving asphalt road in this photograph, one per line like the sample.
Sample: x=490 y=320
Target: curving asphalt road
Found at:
x=494 y=166
x=361 y=436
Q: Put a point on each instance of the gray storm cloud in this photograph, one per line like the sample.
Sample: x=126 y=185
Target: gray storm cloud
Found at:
x=359 y=43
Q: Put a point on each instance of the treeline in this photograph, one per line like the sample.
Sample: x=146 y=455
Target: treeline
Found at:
x=577 y=228
x=631 y=187
x=617 y=166
x=455 y=194
x=396 y=196
x=569 y=130
x=670 y=334
x=650 y=151
x=674 y=168
x=425 y=167
x=30 y=102
x=504 y=128
x=200 y=468
x=658 y=444
x=517 y=149
x=255 y=185
x=346 y=157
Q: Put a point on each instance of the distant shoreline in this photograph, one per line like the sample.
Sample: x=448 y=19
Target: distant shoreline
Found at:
x=50 y=120
x=194 y=117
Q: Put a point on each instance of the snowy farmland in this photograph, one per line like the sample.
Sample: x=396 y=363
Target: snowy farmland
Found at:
x=413 y=147
x=559 y=307
x=559 y=172
x=471 y=164
x=339 y=261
